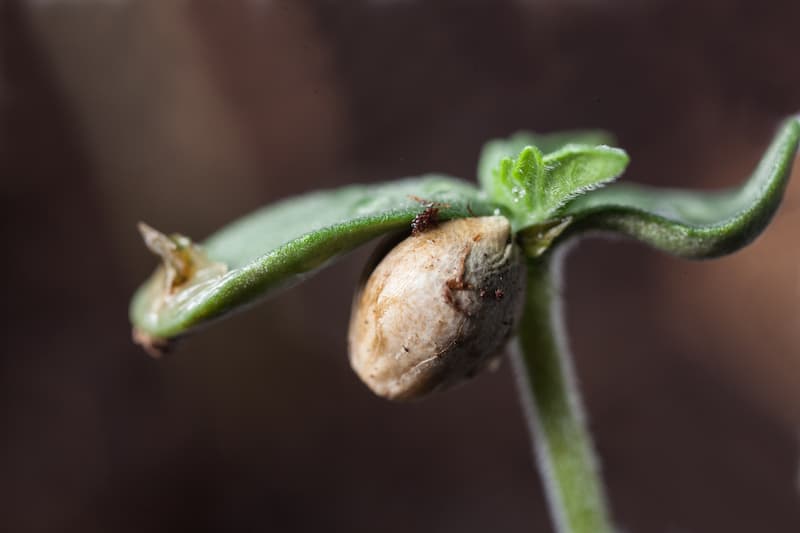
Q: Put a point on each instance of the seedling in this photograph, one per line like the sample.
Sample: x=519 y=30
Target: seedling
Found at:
x=439 y=306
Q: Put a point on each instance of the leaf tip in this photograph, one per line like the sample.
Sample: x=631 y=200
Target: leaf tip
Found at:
x=155 y=347
x=528 y=165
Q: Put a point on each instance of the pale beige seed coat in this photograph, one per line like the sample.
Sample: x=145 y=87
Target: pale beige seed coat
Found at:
x=437 y=308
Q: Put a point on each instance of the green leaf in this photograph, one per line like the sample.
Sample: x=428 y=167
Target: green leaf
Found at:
x=574 y=170
x=534 y=187
x=515 y=181
x=498 y=149
x=279 y=245
x=692 y=224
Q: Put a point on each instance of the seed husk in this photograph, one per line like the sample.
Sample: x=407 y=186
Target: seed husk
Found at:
x=438 y=308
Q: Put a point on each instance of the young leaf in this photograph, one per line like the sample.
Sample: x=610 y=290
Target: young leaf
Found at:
x=279 y=245
x=534 y=187
x=498 y=149
x=689 y=223
x=515 y=181
x=574 y=170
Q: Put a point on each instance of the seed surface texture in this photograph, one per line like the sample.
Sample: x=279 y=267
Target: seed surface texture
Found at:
x=438 y=308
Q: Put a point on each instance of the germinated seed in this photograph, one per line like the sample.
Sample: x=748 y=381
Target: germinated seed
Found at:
x=437 y=308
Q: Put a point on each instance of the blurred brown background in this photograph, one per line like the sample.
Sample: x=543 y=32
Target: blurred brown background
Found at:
x=188 y=114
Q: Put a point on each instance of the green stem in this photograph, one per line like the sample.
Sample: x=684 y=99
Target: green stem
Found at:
x=562 y=443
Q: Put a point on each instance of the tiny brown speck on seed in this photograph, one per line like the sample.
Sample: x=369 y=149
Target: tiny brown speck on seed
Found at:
x=426 y=220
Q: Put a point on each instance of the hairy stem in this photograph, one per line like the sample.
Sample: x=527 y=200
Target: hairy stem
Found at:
x=562 y=443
